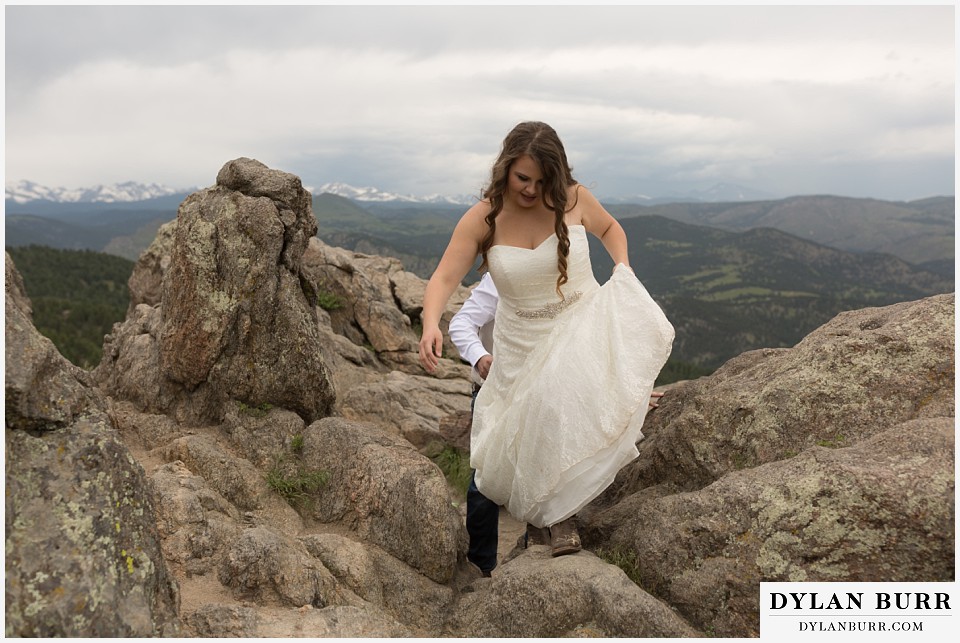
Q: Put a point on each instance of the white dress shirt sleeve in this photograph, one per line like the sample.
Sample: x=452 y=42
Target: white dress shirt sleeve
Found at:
x=474 y=322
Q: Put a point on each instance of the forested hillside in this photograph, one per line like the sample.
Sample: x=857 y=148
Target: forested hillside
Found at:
x=125 y=234
x=919 y=232
x=77 y=296
x=728 y=292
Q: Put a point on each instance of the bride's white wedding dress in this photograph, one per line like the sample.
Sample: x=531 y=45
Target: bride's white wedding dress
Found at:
x=563 y=405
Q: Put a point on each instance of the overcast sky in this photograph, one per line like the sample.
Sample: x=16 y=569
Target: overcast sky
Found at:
x=855 y=100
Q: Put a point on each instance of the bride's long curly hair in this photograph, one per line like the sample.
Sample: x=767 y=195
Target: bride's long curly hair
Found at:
x=540 y=142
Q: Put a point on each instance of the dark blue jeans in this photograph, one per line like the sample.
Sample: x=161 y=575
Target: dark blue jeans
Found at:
x=483 y=523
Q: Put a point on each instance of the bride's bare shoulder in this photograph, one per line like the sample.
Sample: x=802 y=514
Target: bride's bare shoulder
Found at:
x=474 y=219
x=580 y=193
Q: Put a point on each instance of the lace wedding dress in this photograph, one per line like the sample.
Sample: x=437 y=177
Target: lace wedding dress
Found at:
x=563 y=405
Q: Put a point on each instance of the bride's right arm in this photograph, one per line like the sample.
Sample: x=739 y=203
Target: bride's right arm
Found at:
x=458 y=258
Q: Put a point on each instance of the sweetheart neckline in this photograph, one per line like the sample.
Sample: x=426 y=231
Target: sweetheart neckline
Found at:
x=537 y=247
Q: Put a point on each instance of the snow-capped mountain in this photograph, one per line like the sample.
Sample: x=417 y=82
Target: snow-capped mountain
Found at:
x=371 y=194
x=719 y=192
x=27 y=191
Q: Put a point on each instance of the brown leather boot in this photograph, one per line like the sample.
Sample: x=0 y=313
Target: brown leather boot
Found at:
x=537 y=535
x=564 y=537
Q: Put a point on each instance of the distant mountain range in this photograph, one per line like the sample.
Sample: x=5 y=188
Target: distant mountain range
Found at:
x=29 y=192
x=376 y=195
x=920 y=232
x=733 y=276
x=719 y=193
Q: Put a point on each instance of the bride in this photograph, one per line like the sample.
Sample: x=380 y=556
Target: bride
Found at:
x=573 y=362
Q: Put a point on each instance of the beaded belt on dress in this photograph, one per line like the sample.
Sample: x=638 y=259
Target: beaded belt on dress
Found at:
x=550 y=310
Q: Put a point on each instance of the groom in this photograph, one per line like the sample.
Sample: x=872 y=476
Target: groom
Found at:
x=471 y=331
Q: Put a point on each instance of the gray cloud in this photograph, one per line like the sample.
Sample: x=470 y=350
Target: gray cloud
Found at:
x=417 y=99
